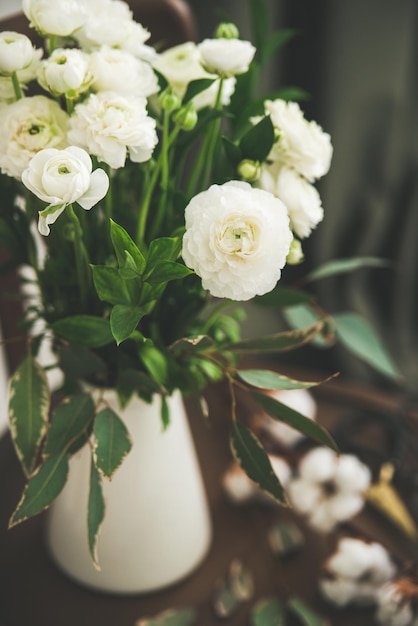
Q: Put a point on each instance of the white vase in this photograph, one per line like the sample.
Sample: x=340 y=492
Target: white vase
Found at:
x=157 y=525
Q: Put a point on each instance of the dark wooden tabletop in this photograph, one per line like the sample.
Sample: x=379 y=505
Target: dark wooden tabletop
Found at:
x=33 y=592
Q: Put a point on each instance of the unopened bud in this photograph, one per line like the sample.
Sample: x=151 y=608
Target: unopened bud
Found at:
x=227 y=30
x=169 y=99
x=186 y=117
x=249 y=170
x=295 y=254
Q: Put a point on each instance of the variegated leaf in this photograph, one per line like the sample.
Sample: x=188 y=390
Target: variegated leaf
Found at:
x=70 y=419
x=95 y=513
x=111 y=442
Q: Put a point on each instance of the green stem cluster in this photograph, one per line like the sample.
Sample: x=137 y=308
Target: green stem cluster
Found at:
x=81 y=257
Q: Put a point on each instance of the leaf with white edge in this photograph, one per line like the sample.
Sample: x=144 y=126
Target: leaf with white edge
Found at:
x=70 y=419
x=253 y=459
x=344 y=266
x=268 y=612
x=172 y=617
x=303 y=424
x=305 y=614
x=29 y=400
x=267 y=379
x=42 y=488
x=111 y=442
x=356 y=334
x=287 y=340
x=123 y=321
x=95 y=513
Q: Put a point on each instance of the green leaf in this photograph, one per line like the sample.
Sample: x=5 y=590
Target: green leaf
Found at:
x=123 y=321
x=266 y=379
x=165 y=413
x=134 y=381
x=42 y=488
x=305 y=614
x=302 y=316
x=168 y=270
x=109 y=286
x=232 y=151
x=258 y=141
x=162 y=249
x=197 y=86
x=111 y=440
x=85 y=330
x=344 y=266
x=79 y=362
x=284 y=297
x=123 y=243
x=356 y=334
x=29 y=401
x=70 y=419
x=284 y=413
x=268 y=612
x=253 y=459
x=155 y=362
x=276 y=41
x=192 y=345
x=95 y=513
x=172 y=617
x=288 y=340
x=129 y=270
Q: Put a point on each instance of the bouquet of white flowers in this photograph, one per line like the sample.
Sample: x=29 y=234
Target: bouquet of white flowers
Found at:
x=149 y=191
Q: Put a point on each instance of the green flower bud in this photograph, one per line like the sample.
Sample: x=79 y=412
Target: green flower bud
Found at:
x=186 y=117
x=249 y=170
x=227 y=30
x=295 y=254
x=169 y=99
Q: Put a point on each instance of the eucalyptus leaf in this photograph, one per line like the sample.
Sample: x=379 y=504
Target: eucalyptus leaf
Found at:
x=256 y=144
x=168 y=270
x=123 y=321
x=284 y=413
x=111 y=442
x=95 y=513
x=42 y=488
x=109 y=286
x=172 y=617
x=253 y=459
x=122 y=243
x=287 y=340
x=268 y=612
x=344 y=266
x=267 y=379
x=29 y=400
x=356 y=334
x=69 y=421
x=86 y=330
x=305 y=614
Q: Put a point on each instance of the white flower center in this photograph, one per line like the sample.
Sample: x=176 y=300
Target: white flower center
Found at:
x=237 y=237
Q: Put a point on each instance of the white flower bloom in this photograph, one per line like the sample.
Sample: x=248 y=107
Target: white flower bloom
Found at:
x=329 y=488
x=120 y=71
x=111 y=126
x=55 y=17
x=301 y=144
x=237 y=239
x=226 y=57
x=300 y=197
x=61 y=177
x=182 y=64
x=110 y=23
x=396 y=603
x=297 y=399
x=240 y=488
x=355 y=572
x=16 y=52
x=66 y=71
x=26 y=127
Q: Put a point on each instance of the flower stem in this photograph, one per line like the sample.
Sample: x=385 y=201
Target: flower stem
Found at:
x=16 y=86
x=81 y=258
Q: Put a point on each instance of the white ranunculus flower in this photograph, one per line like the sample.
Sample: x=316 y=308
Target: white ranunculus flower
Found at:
x=355 y=573
x=110 y=23
x=16 y=52
x=28 y=126
x=237 y=239
x=119 y=71
x=300 y=197
x=111 y=126
x=329 y=488
x=66 y=71
x=301 y=144
x=226 y=57
x=60 y=17
x=61 y=177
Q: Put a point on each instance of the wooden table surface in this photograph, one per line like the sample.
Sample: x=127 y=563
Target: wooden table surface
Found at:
x=33 y=592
